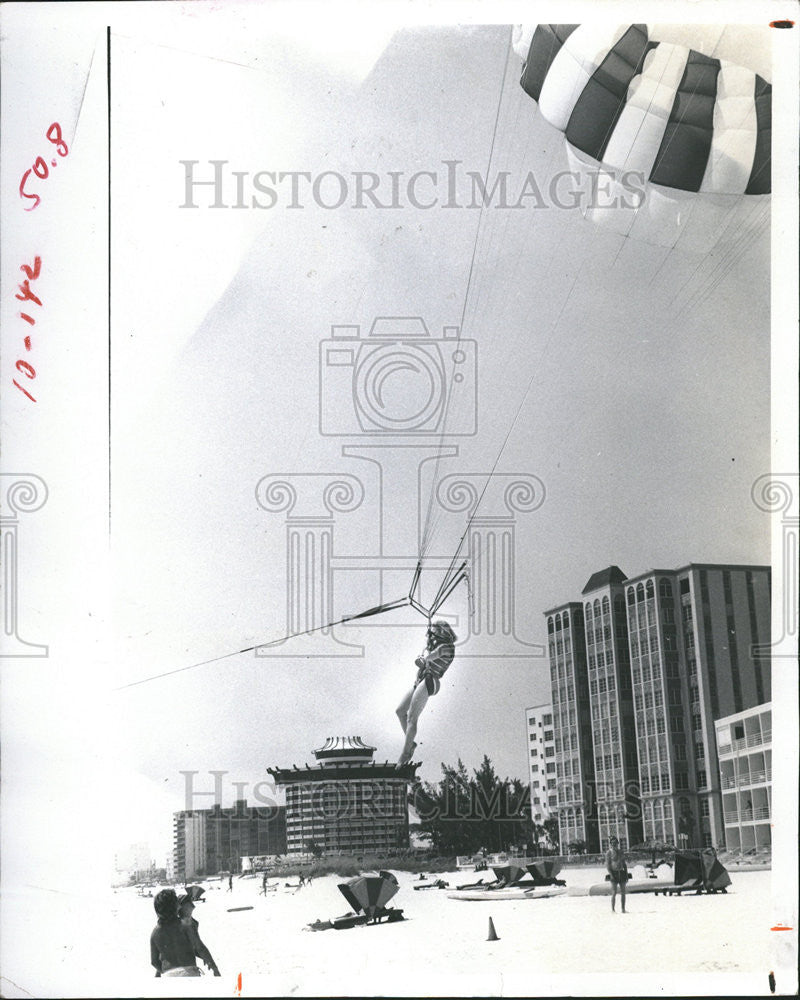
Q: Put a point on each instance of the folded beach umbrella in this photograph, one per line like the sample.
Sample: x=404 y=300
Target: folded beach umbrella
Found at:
x=509 y=873
x=715 y=874
x=544 y=870
x=194 y=892
x=369 y=893
x=688 y=868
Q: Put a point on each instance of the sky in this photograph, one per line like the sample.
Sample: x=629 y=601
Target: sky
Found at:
x=627 y=384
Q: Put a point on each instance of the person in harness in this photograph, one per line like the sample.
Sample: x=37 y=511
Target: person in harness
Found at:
x=431 y=665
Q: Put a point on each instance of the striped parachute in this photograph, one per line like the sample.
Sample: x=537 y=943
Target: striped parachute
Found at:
x=693 y=128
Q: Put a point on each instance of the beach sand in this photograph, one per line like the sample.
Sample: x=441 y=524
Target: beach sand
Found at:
x=97 y=944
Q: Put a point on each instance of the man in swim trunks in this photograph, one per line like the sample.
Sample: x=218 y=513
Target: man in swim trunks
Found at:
x=431 y=665
x=617 y=868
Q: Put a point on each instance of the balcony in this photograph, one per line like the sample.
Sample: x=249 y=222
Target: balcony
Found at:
x=746 y=816
x=753 y=740
x=756 y=777
x=753 y=778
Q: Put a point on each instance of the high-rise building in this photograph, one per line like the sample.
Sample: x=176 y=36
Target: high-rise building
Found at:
x=541 y=761
x=664 y=654
x=346 y=803
x=207 y=841
x=572 y=726
x=611 y=700
x=691 y=633
x=744 y=747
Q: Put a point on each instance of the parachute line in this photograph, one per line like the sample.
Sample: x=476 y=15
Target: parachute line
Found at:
x=426 y=531
x=441 y=598
x=379 y=609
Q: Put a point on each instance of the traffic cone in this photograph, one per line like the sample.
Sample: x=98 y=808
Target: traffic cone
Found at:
x=492 y=932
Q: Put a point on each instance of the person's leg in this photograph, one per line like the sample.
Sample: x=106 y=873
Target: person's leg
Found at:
x=402 y=708
x=419 y=699
x=622 y=894
x=613 y=896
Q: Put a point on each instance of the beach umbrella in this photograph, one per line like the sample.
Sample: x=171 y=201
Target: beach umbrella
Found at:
x=194 y=892
x=369 y=893
x=544 y=870
x=508 y=873
x=688 y=868
x=715 y=874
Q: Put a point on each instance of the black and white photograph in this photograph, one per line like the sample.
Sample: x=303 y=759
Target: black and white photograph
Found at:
x=399 y=498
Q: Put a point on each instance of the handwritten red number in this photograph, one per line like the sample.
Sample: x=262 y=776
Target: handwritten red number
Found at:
x=27 y=294
x=32 y=272
x=54 y=135
x=22 y=389
x=24 y=194
x=40 y=163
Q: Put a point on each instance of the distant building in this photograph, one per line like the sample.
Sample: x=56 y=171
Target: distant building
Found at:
x=134 y=858
x=207 y=841
x=648 y=663
x=346 y=803
x=744 y=748
x=541 y=761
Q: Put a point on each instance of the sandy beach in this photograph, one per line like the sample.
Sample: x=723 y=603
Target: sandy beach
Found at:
x=98 y=944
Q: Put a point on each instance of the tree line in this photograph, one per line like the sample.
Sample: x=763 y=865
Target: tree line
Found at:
x=470 y=814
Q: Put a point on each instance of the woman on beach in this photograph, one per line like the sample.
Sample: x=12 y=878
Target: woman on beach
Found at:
x=171 y=950
x=617 y=868
x=431 y=665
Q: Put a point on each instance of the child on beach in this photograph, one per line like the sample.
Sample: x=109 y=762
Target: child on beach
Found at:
x=617 y=868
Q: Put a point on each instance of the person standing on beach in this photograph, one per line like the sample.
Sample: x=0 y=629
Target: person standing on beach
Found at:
x=617 y=868
x=230 y=883
x=192 y=929
x=431 y=665
x=264 y=885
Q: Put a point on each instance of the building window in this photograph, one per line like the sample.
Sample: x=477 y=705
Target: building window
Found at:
x=549 y=752
x=547 y=720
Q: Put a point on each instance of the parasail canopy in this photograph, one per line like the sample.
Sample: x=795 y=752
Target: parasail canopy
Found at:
x=673 y=136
